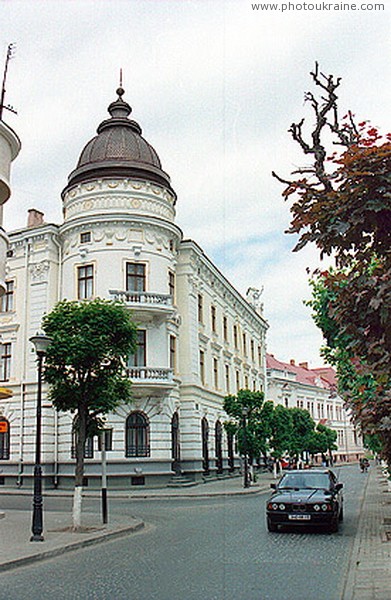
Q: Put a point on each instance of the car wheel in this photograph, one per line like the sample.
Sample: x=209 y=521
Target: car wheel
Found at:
x=334 y=526
x=341 y=514
x=271 y=526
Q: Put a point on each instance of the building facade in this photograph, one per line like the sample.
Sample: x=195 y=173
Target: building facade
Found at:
x=315 y=390
x=198 y=338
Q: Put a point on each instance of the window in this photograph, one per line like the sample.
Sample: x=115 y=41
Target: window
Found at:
x=225 y=328
x=200 y=309
x=219 y=447
x=213 y=318
x=216 y=373
x=236 y=337
x=244 y=344
x=237 y=381
x=135 y=277
x=7 y=301
x=108 y=433
x=202 y=366
x=286 y=401
x=246 y=382
x=171 y=285
x=139 y=358
x=252 y=351
x=85 y=237
x=173 y=352
x=137 y=435
x=4 y=439
x=260 y=356
x=88 y=447
x=5 y=362
x=227 y=378
x=85 y=282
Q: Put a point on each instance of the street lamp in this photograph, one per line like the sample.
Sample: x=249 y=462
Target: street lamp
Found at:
x=41 y=343
x=246 y=482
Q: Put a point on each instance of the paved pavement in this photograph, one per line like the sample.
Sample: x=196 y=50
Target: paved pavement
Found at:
x=369 y=576
x=15 y=525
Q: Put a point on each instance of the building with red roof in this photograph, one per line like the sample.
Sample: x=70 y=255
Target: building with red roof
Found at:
x=315 y=390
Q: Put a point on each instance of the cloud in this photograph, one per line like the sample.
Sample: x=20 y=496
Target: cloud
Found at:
x=215 y=86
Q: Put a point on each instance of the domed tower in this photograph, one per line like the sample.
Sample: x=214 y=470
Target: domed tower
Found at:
x=9 y=150
x=119 y=239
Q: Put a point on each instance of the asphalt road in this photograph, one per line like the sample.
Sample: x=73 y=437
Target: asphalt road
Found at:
x=202 y=549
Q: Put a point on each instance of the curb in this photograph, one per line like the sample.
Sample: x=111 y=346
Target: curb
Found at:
x=109 y=535
x=146 y=496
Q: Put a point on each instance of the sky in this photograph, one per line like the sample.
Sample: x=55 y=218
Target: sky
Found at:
x=215 y=85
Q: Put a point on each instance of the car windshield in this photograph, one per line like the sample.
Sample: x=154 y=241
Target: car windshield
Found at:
x=313 y=481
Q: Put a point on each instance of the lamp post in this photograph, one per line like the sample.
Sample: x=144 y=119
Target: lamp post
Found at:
x=41 y=343
x=246 y=482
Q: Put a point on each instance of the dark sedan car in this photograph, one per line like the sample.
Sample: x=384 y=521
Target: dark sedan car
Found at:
x=307 y=497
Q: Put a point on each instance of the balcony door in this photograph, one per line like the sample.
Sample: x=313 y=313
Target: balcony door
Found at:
x=175 y=444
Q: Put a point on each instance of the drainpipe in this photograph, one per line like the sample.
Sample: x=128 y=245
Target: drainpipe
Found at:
x=59 y=292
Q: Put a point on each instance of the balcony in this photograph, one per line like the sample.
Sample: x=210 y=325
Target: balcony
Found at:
x=146 y=306
x=151 y=380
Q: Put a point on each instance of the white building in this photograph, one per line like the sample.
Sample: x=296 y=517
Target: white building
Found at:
x=315 y=390
x=199 y=339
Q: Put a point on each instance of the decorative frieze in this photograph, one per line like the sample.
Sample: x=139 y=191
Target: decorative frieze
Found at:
x=39 y=271
x=119 y=195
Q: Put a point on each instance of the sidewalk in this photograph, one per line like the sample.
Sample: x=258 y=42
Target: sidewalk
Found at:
x=15 y=525
x=369 y=576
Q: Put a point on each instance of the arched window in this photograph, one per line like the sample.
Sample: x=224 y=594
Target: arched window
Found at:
x=205 y=444
x=4 y=439
x=219 y=446
x=137 y=435
x=175 y=443
x=231 y=459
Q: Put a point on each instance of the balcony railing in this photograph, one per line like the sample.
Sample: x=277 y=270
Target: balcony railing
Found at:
x=142 y=297
x=151 y=380
x=150 y=374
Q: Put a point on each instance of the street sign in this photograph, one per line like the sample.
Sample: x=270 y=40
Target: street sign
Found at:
x=3 y=426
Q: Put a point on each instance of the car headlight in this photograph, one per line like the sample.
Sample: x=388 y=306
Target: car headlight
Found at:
x=275 y=506
x=316 y=507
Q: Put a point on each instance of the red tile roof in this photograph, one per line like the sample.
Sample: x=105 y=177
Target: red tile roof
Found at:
x=322 y=377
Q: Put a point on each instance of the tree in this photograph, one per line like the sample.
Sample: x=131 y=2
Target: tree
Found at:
x=341 y=202
x=330 y=438
x=281 y=430
x=91 y=342
x=257 y=415
x=303 y=427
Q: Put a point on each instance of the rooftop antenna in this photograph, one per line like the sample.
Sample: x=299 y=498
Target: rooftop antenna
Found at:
x=120 y=78
x=10 y=54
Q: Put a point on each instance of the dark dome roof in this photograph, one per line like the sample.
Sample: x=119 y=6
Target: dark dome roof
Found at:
x=119 y=150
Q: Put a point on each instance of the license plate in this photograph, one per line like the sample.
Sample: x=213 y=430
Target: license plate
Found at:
x=299 y=517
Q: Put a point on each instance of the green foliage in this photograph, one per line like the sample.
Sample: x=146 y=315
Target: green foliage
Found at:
x=303 y=427
x=281 y=430
x=373 y=443
x=277 y=429
x=91 y=342
x=257 y=421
